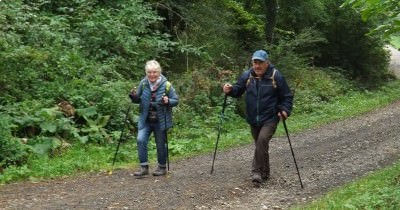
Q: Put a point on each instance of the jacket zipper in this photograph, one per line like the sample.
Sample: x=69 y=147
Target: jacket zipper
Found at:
x=258 y=103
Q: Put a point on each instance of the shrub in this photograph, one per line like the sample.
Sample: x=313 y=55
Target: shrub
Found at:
x=12 y=151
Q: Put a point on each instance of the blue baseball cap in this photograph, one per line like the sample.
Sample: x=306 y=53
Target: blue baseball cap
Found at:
x=260 y=55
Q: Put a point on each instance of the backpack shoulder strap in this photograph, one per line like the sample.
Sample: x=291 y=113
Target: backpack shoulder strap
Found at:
x=273 y=78
x=167 y=87
x=142 y=84
x=249 y=77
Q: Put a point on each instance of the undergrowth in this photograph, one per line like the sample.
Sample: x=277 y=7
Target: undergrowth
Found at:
x=196 y=138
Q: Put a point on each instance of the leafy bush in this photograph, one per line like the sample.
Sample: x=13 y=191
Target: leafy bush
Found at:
x=44 y=50
x=349 y=47
x=86 y=54
x=318 y=86
x=12 y=151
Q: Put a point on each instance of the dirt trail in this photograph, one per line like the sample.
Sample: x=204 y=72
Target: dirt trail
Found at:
x=328 y=157
x=395 y=61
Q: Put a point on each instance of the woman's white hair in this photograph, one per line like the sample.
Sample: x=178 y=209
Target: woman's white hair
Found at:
x=152 y=65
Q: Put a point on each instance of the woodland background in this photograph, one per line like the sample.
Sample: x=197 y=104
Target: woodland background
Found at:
x=67 y=67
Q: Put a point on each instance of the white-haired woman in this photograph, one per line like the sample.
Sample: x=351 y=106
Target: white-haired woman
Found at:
x=156 y=96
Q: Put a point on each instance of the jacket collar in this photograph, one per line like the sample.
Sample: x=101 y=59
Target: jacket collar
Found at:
x=267 y=74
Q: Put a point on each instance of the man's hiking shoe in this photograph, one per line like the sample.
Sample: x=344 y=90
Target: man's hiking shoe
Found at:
x=265 y=176
x=144 y=170
x=256 y=179
x=160 y=171
x=256 y=184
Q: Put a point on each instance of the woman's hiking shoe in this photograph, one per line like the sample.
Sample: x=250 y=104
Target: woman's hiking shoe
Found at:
x=160 y=171
x=144 y=170
x=256 y=179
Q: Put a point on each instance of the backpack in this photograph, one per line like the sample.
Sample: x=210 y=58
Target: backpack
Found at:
x=272 y=77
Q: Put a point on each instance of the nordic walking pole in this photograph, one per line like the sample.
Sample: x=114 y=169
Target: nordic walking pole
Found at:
x=219 y=132
x=166 y=134
x=291 y=149
x=120 y=137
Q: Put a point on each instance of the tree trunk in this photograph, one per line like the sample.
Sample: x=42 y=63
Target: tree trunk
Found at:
x=270 y=17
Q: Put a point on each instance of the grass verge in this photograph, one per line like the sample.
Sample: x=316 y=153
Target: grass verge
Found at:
x=379 y=190
x=94 y=158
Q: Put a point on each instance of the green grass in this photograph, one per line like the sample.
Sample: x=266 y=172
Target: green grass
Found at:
x=395 y=41
x=197 y=140
x=379 y=190
x=351 y=105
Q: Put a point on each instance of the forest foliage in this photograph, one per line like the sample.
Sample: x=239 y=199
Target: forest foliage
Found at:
x=67 y=65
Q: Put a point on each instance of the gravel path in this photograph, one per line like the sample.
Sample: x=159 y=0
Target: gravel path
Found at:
x=328 y=157
x=395 y=61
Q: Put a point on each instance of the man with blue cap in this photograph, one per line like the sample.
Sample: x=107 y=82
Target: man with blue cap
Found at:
x=268 y=99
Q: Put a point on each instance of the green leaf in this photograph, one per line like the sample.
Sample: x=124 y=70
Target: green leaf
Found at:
x=83 y=139
x=48 y=113
x=102 y=121
x=48 y=126
x=46 y=146
x=87 y=112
